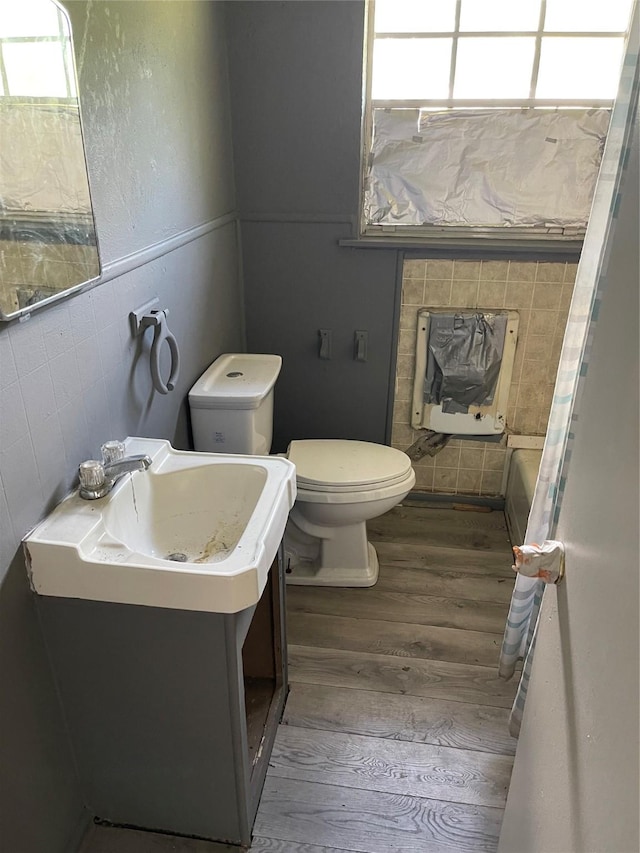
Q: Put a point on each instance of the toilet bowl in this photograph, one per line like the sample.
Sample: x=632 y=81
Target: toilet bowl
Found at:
x=340 y=483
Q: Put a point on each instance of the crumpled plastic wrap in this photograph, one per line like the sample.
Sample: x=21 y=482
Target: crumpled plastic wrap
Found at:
x=507 y=168
x=544 y=561
x=463 y=360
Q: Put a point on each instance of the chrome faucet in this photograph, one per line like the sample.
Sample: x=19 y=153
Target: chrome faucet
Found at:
x=98 y=478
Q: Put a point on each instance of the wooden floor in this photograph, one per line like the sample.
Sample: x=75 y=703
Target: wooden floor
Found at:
x=394 y=736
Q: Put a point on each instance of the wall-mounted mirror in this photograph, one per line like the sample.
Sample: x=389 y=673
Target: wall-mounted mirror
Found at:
x=48 y=242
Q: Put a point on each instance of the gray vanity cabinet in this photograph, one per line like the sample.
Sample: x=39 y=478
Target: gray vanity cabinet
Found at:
x=171 y=714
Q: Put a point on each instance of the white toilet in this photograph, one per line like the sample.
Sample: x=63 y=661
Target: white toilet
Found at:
x=341 y=484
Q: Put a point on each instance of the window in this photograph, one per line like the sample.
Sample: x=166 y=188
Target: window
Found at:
x=488 y=114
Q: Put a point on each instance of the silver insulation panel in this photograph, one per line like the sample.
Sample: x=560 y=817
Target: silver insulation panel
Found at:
x=489 y=168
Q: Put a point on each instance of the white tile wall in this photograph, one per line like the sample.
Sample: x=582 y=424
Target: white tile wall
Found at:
x=7 y=536
x=8 y=373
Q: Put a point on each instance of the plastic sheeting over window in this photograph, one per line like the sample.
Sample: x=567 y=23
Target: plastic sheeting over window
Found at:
x=487 y=168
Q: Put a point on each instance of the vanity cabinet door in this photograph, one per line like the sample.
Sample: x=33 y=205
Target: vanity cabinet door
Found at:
x=265 y=677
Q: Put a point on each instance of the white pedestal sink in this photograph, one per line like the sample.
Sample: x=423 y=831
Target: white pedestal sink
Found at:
x=196 y=531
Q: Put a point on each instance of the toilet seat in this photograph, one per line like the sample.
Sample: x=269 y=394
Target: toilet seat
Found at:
x=342 y=470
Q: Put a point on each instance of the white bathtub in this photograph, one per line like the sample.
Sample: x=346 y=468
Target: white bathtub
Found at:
x=521 y=483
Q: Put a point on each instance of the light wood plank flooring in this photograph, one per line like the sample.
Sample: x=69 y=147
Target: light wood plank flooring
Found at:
x=395 y=732
x=394 y=736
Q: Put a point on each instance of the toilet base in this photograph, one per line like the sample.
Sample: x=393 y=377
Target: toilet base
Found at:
x=306 y=573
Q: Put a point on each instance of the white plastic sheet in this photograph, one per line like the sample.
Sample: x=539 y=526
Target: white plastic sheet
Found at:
x=488 y=168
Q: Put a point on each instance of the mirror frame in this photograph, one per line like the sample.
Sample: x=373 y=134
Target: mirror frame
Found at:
x=76 y=288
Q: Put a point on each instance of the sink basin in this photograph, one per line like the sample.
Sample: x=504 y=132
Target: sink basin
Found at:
x=196 y=531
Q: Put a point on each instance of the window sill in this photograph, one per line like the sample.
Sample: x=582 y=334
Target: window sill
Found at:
x=536 y=246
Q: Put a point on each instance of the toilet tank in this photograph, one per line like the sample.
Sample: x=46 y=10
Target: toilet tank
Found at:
x=232 y=404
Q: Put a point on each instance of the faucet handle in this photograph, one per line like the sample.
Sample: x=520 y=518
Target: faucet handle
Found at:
x=91 y=474
x=112 y=451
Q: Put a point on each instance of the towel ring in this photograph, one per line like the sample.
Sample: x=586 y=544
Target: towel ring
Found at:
x=161 y=333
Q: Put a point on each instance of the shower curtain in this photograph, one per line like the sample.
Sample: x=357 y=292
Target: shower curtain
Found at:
x=522 y=621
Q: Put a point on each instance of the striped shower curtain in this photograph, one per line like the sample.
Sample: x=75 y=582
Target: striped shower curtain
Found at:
x=522 y=621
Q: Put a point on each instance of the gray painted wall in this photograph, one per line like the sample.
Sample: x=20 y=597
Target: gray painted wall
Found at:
x=155 y=104
x=575 y=778
x=296 y=80
x=297 y=281
x=296 y=83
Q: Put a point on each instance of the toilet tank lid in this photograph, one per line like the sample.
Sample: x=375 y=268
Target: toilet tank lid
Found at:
x=345 y=463
x=236 y=381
